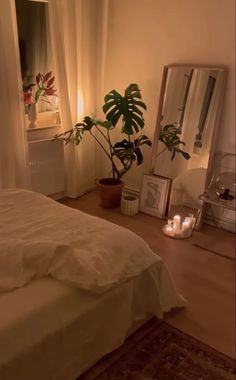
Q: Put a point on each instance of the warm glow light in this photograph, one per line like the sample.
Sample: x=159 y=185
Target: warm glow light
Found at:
x=185 y=226
x=176 y=224
x=80 y=105
x=179 y=230
x=168 y=230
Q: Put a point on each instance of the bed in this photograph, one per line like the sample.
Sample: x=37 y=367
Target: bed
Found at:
x=72 y=287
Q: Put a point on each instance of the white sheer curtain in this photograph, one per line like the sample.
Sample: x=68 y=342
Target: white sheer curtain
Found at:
x=13 y=161
x=78 y=31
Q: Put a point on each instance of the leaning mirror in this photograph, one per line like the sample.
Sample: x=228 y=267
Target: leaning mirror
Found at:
x=185 y=133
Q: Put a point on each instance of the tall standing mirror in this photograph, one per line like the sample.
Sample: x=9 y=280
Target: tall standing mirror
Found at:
x=190 y=102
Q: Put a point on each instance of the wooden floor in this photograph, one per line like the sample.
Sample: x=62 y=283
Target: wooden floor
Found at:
x=205 y=279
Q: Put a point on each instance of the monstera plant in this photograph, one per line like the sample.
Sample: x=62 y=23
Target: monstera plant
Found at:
x=127 y=113
x=126 y=109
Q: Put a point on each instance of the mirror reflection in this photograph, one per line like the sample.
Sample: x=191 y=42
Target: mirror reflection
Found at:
x=189 y=105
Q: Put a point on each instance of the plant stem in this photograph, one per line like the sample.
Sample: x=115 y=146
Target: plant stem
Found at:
x=126 y=167
x=105 y=151
x=111 y=153
x=103 y=134
x=108 y=139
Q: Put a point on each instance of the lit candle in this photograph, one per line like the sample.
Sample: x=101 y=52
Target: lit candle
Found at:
x=191 y=220
x=168 y=230
x=188 y=220
x=176 y=224
x=186 y=225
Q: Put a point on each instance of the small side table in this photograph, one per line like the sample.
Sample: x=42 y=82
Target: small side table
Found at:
x=210 y=197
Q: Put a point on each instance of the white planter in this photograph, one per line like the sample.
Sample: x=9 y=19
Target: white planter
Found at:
x=129 y=205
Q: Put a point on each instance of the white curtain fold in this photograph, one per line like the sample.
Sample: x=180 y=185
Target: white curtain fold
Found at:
x=13 y=157
x=78 y=34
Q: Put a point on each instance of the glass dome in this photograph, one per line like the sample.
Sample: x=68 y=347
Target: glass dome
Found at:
x=225 y=185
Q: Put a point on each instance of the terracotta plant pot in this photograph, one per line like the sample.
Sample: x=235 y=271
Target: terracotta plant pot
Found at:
x=110 y=192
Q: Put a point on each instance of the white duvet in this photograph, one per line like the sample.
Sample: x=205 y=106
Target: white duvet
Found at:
x=40 y=237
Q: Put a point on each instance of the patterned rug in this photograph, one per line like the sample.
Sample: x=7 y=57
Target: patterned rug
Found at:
x=158 y=351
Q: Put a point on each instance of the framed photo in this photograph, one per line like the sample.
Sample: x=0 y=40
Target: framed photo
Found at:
x=155 y=194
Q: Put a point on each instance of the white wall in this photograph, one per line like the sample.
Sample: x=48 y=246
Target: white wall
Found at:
x=144 y=35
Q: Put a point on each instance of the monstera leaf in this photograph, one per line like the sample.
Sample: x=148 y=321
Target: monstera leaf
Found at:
x=80 y=128
x=127 y=107
x=75 y=134
x=169 y=136
x=128 y=151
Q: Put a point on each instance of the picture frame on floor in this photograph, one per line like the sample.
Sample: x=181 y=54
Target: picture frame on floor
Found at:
x=155 y=195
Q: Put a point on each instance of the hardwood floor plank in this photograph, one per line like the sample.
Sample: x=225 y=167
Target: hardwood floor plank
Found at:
x=205 y=279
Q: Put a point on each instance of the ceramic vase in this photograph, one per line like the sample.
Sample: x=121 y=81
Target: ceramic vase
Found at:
x=32 y=115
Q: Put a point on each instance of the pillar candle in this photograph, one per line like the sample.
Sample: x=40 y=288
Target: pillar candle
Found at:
x=176 y=224
x=188 y=220
x=169 y=230
x=186 y=226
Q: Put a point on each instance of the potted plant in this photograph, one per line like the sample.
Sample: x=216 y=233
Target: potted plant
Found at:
x=127 y=112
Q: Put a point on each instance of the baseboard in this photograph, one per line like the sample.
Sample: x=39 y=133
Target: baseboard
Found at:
x=130 y=190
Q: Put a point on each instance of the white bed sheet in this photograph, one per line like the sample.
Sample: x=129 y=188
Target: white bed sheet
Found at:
x=40 y=237
x=50 y=331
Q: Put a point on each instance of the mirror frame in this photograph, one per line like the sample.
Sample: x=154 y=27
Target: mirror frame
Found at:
x=223 y=68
